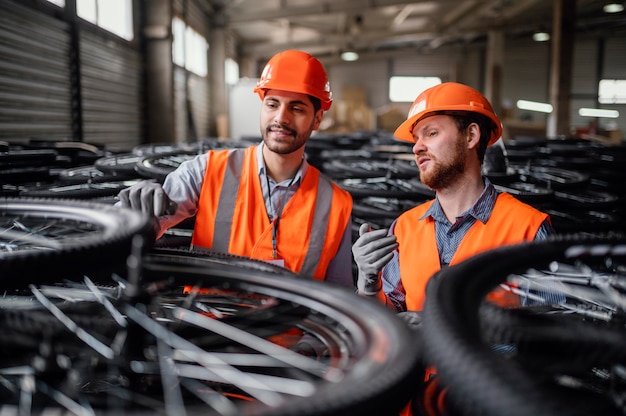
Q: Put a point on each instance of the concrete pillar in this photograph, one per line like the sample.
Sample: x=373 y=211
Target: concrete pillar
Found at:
x=493 y=70
x=159 y=79
x=562 y=38
x=219 y=92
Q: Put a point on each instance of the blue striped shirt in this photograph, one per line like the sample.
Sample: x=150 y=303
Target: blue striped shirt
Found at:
x=448 y=236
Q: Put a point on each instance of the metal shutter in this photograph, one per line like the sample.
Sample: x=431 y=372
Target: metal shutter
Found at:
x=35 y=83
x=111 y=89
x=191 y=91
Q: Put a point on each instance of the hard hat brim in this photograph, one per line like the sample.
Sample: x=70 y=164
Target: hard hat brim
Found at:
x=404 y=132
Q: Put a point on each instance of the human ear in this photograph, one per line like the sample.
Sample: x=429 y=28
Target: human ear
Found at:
x=317 y=119
x=473 y=135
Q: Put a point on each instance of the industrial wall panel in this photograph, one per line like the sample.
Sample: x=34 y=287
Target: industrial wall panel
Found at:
x=585 y=78
x=436 y=64
x=371 y=76
x=193 y=13
x=614 y=65
x=526 y=76
x=35 y=81
x=180 y=105
x=191 y=97
x=199 y=104
x=111 y=88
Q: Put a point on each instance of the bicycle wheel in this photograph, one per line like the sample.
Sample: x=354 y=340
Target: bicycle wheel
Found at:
x=555 y=348
x=120 y=164
x=552 y=177
x=89 y=190
x=158 y=166
x=387 y=188
x=90 y=174
x=51 y=237
x=228 y=348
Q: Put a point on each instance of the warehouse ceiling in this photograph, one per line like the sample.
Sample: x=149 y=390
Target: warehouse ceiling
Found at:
x=375 y=27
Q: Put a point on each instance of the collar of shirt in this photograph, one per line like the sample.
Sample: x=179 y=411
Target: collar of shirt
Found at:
x=304 y=166
x=481 y=210
x=276 y=195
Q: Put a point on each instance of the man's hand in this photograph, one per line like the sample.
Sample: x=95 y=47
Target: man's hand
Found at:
x=148 y=197
x=372 y=250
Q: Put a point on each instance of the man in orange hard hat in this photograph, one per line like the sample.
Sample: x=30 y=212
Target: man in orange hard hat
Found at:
x=265 y=201
x=450 y=125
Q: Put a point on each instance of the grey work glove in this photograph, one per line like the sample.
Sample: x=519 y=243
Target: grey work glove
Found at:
x=148 y=197
x=412 y=318
x=371 y=251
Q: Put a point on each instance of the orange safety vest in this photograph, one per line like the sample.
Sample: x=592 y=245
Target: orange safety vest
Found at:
x=232 y=216
x=510 y=222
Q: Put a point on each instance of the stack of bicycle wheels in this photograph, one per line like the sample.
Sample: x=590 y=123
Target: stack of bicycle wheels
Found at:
x=97 y=321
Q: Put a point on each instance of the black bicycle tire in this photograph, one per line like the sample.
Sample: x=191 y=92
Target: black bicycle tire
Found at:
x=451 y=333
x=91 y=174
x=387 y=188
x=384 y=363
x=527 y=192
x=124 y=163
x=104 y=243
x=357 y=168
x=25 y=174
x=382 y=386
x=586 y=198
x=20 y=157
x=364 y=208
x=153 y=166
x=78 y=152
x=553 y=177
x=88 y=190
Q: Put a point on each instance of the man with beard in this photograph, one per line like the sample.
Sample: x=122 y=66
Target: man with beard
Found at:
x=451 y=126
x=265 y=201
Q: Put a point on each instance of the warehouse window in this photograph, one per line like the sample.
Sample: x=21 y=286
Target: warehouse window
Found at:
x=60 y=3
x=231 y=71
x=405 y=89
x=189 y=49
x=116 y=16
x=612 y=91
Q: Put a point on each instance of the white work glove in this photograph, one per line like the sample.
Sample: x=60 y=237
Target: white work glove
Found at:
x=148 y=197
x=371 y=251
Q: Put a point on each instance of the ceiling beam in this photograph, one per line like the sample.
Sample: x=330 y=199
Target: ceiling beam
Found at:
x=322 y=8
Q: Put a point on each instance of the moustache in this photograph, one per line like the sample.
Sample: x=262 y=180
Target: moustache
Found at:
x=279 y=127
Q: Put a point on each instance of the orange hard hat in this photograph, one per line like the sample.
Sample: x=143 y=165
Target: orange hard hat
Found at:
x=448 y=97
x=296 y=71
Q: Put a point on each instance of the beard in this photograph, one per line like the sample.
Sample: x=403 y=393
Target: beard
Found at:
x=285 y=145
x=442 y=174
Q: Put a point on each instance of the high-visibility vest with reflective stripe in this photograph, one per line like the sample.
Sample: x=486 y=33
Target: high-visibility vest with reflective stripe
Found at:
x=232 y=216
x=510 y=222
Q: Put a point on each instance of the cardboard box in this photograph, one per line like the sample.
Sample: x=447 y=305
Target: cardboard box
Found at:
x=389 y=118
x=354 y=94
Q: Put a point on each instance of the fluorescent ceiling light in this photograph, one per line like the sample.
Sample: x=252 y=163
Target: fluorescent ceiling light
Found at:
x=541 y=36
x=534 y=106
x=598 y=112
x=349 y=56
x=613 y=8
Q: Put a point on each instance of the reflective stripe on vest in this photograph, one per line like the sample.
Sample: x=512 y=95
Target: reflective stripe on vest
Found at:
x=226 y=205
x=510 y=222
x=320 y=224
x=232 y=216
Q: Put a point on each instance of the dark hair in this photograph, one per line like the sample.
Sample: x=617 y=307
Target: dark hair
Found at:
x=463 y=120
x=317 y=103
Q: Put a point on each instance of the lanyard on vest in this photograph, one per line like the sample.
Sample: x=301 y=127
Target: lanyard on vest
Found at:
x=279 y=211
